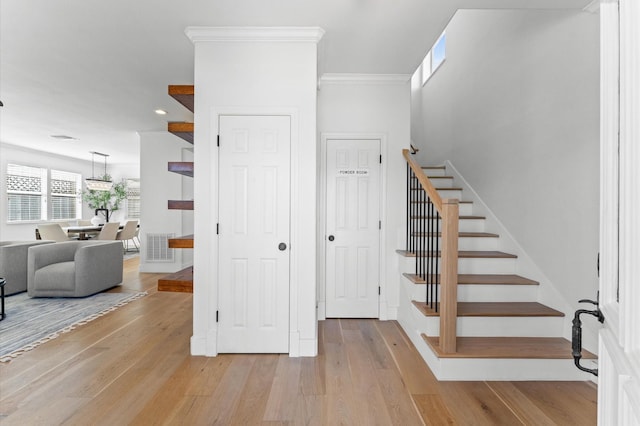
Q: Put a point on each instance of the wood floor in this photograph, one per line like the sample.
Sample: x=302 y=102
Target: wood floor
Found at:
x=133 y=366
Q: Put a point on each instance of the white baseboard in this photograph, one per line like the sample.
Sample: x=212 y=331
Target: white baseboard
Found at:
x=198 y=345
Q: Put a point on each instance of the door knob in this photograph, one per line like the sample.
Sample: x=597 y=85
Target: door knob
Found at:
x=282 y=246
x=331 y=238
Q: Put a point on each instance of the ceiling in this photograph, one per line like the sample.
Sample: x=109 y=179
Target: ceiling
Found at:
x=97 y=70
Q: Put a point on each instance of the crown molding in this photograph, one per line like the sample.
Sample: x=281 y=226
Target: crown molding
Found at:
x=373 y=79
x=255 y=34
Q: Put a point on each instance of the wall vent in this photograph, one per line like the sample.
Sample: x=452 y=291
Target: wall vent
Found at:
x=157 y=248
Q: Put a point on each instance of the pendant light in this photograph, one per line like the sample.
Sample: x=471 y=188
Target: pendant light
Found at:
x=98 y=184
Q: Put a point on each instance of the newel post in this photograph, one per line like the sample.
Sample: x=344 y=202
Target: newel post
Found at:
x=449 y=276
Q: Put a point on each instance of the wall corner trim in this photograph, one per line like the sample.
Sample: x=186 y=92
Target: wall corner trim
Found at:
x=255 y=34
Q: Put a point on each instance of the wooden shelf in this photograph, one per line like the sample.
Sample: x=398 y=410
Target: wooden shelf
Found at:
x=183 y=94
x=186 y=241
x=184 y=168
x=180 y=204
x=182 y=130
x=181 y=281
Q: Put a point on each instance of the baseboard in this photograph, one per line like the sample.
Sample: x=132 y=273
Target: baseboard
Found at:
x=198 y=345
x=308 y=347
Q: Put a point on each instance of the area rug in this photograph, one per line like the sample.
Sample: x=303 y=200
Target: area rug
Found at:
x=31 y=322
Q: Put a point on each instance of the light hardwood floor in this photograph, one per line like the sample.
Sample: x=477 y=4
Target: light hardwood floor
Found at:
x=133 y=366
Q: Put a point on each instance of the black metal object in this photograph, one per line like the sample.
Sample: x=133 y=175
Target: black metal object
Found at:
x=282 y=246
x=576 y=333
x=423 y=234
x=106 y=213
x=2 y=283
x=331 y=238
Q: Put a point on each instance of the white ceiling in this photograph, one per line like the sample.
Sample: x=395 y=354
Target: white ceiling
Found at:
x=97 y=70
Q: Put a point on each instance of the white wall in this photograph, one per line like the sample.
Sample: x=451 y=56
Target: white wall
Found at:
x=515 y=107
x=375 y=106
x=243 y=73
x=13 y=154
x=157 y=186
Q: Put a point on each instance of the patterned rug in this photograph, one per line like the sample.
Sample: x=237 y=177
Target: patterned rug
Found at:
x=31 y=322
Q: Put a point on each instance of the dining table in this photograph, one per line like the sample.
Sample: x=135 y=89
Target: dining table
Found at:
x=84 y=232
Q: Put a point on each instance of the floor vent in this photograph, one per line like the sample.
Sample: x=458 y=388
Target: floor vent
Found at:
x=157 y=249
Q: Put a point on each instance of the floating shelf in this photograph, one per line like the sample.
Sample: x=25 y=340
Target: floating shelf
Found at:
x=181 y=281
x=183 y=94
x=186 y=241
x=181 y=167
x=180 y=204
x=182 y=130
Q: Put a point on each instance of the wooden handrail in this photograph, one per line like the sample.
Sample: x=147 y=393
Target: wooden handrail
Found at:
x=436 y=199
x=450 y=214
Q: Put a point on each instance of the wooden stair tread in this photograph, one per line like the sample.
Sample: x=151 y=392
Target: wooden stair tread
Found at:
x=438 y=177
x=480 y=279
x=181 y=281
x=182 y=130
x=495 y=309
x=433 y=167
x=185 y=241
x=183 y=94
x=508 y=347
x=180 y=204
x=460 y=234
x=469 y=254
x=181 y=167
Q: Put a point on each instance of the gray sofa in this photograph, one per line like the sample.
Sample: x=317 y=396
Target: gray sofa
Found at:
x=13 y=264
x=74 y=268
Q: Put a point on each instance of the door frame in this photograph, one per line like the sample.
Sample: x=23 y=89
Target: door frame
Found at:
x=322 y=218
x=619 y=344
x=294 y=189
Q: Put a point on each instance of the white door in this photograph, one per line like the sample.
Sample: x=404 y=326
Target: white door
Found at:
x=352 y=228
x=619 y=349
x=254 y=182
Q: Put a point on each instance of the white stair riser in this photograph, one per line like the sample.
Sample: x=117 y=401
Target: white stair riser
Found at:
x=510 y=370
x=450 y=193
x=484 y=293
x=443 y=182
x=476 y=243
x=494 y=326
x=434 y=172
x=464 y=209
x=471 y=266
x=464 y=225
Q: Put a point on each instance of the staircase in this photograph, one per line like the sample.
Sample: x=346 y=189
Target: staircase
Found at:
x=501 y=331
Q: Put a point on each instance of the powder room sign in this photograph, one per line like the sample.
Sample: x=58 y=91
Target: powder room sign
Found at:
x=353 y=172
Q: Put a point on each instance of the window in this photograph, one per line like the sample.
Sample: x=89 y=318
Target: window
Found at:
x=30 y=188
x=26 y=192
x=435 y=57
x=133 y=198
x=65 y=201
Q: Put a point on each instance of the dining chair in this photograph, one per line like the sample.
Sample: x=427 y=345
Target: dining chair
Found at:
x=109 y=231
x=82 y=222
x=52 y=231
x=127 y=233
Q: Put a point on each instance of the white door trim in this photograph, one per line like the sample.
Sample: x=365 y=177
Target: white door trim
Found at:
x=322 y=217
x=619 y=346
x=211 y=344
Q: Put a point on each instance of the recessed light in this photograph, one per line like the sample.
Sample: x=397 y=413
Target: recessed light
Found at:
x=161 y=112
